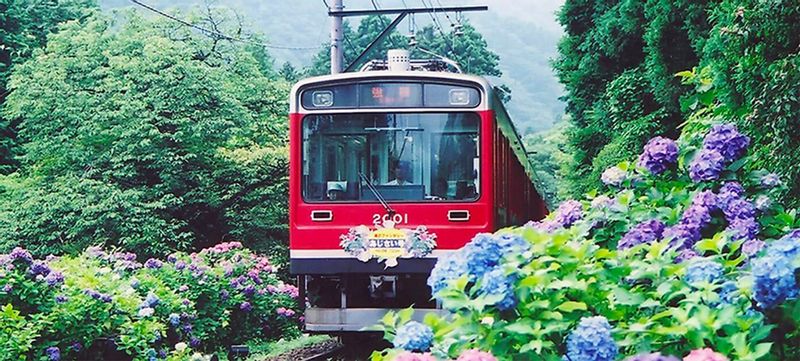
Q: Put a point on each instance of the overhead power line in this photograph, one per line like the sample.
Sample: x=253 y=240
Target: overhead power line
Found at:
x=218 y=34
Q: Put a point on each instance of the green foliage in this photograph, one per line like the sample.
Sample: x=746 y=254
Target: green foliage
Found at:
x=617 y=62
x=546 y=154
x=136 y=140
x=196 y=299
x=749 y=47
x=24 y=27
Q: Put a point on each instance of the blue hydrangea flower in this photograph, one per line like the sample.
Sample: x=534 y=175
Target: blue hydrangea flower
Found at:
x=613 y=176
x=727 y=292
x=53 y=353
x=485 y=252
x=774 y=280
x=645 y=232
x=447 y=268
x=771 y=180
x=496 y=282
x=706 y=166
x=703 y=270
x=592 y=341
x=151 y=300
x=659 y=154
x=726 y=139
x=788 y=246
x=174 y=319
x=413 y=336
x=652 y=357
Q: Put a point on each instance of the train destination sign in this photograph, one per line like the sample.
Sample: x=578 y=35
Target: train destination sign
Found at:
x=387 y=243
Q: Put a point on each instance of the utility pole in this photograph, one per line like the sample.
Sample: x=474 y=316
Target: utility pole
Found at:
x=337 y=13
x=337 y=50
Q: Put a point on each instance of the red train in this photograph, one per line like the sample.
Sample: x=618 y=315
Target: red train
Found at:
x=390 y=169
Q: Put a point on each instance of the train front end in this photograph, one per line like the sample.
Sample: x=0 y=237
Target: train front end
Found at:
x=389 y=170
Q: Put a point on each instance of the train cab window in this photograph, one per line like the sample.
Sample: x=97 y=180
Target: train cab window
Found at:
x=404 y=156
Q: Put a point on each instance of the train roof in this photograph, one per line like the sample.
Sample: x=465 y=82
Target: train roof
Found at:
x=385 y=74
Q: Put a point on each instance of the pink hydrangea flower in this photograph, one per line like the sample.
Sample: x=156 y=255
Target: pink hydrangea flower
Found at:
x=476 y=355
x=705 y=354
x=413 y=356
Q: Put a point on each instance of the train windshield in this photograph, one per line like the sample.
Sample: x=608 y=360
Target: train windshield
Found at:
x=405 y=156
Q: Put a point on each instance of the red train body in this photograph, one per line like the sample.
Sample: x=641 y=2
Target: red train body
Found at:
x=439 y=148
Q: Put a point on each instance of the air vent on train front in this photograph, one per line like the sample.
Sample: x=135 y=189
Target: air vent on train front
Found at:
x=398 y=60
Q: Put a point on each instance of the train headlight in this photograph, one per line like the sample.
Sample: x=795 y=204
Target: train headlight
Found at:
x=459 y=96
x=322 y=98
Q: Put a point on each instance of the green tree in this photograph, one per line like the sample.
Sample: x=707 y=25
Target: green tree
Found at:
x=136 y=140
x=24 y=27
x=617 y=62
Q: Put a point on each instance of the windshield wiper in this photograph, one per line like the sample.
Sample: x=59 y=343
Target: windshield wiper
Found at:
x=378 y=195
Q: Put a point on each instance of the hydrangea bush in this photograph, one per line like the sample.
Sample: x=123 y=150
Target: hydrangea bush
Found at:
x=683 y=256
x=75 y=308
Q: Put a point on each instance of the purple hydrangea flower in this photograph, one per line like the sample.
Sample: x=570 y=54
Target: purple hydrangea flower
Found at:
x=19 y=253
x=413 y=336
x=685 y=255
x=659 y=154
x=496 y=282
x=746 y=228
x=682 y=235
x=739 y=208
x=76 y=346
x=194 y=342
x=8 y=288
x=706 y=199
x=61 y=299
x=592 y=341
x=706 y=166
x=751 y=247
x=249 y=290
x=763 y=202
x=153 y=263
x=39 y=268
x=613 y=176
x=180 y=265
x=223 y=295
x=652 y=357
x=187 y=327
x=726 y=139
x=696 y=215
x=728 y=192
x=568 y=213
x=54 y=278
x=53 y=353
x=643 y=233
x=246 y=306
x=703 y=270
x=771 y=180
x=172 y=258
x=183 y=288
